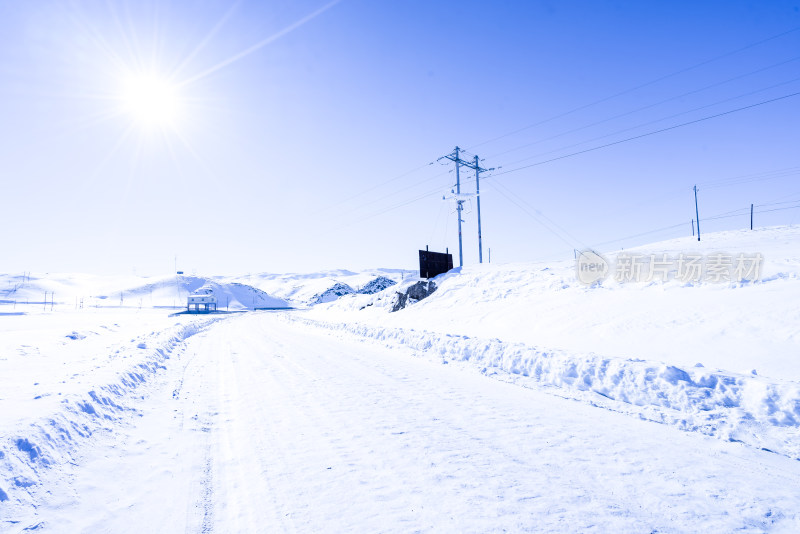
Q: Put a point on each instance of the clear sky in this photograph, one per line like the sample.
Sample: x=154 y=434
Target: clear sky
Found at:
x=297 y=135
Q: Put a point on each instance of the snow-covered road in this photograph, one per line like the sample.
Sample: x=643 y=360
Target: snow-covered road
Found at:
x=265 y=425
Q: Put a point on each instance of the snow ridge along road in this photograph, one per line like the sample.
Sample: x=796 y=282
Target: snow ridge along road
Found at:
x=260 y=424
x=84 y=398
x=759 y=411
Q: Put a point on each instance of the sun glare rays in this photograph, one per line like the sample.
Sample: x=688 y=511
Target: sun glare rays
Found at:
x=133 y=82
x=261 y=44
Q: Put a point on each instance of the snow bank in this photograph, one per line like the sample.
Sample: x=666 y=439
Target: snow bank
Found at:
x=760 y=412
x=46 y=445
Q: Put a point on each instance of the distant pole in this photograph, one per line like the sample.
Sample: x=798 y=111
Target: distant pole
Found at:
x=478 y=195
x=751 y=216
x=697 y=212
x=458 y=211
x=692 y=227
x=490 y=254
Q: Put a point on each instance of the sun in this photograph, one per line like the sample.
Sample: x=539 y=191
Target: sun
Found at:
x=151 y=100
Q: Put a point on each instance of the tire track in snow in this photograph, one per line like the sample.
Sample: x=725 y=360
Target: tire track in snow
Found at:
x=239 y=495
x=414 y=445
x=347 y=382
x=760 y=412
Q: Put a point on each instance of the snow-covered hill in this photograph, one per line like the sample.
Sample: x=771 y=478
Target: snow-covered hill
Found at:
x=302 y=289
x=75 y=291
x=734 y=326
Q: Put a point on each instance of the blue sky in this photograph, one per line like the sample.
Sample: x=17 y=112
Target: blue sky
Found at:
x=305 y=135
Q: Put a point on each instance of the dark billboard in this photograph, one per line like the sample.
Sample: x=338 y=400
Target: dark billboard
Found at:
x=434 y=263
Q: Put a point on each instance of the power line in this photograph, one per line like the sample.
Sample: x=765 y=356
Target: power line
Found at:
x=655 y=121
x=778 y=203
x=398 y=177
x=541 y=214
x=779 y=209
x=650 y=133
x=755 y=177
x=416 y=198
x=639 y=235
x=406 y=188
x=644 y=108
x=725 y=215
x=436 y=224
x=393 y=207
x=646 y=84
x=377 y=186
x=531 y=214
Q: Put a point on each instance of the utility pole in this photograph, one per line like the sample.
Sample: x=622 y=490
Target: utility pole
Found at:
x=751 y=216
x=478 y=196
x=459 y=201
x=692 y=227
x=454 y=157
x=697 y=212
x=460 y=204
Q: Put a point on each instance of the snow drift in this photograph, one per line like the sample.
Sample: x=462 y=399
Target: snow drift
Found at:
x=721 y=359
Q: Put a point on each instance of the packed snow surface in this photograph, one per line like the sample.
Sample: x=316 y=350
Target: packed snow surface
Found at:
x=513 y=398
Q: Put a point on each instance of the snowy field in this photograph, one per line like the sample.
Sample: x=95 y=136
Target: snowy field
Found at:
x=513 y=398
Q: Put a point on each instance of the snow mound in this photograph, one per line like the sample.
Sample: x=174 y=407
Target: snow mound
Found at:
x=376 y=286
x=332 y=293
